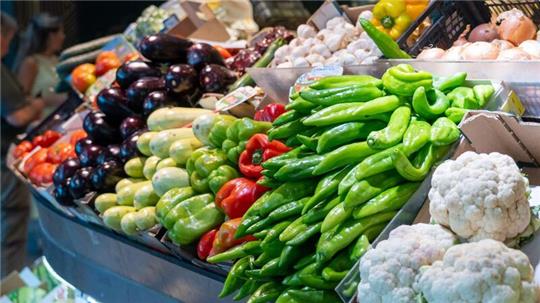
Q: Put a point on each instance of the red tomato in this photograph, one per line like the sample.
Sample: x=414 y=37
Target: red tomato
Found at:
x=106 y=65
x=76 y=136
x=83 y=76
x=38 y=140
x=42 y=174
x=106 y=55
x=49 y=137
x=22 y=148
x=37 y=158
x=223 y=51
x=60 y=152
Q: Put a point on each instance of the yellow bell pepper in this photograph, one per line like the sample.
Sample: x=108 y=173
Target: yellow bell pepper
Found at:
x=416 y=7
x=390 y=16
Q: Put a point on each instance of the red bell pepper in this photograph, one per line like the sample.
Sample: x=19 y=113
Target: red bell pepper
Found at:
x=259 y=149
x=205 y=244
x=270 y=112
x=225 y=237
x=236 y=196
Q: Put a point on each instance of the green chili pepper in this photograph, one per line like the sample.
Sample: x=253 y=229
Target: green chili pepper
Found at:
x=373 y=232
x=273 y=248
x=286 y=130
x=313 y=94
x=249 y=287
x=293 y=142
x=287 y=117
x=425 y=158
x=482 y=93
x=272 y=268
x=337 y=215
x=234 y=253
x=345 y=80
x=275 y=231
x=403 y=80
x=287 y=192
x=261 y=234
x=343 y=156
x=314 y=295
x=351 y=94
x=416 y=136
x=422 y=106
x=301 y=105
x=235 y=278
x=290 y=255
x=299 y=169
x=309 y=142
x=320 y=211
x=444 y=132
x=247 y=221
x=389 y=200
x=448 y=83
x=463 y=97
x=267 y=292
x=393 y=132
x=256 y=206
x=337 y=269
x=302 y=237
x=292 y=230
x=287 y=210
x=292 y=280
x=263 y=259
x=311 y=278
x=362 y=244
x=348 y=232
x=305 y=261
x=258 y=226
x=277 y=162
x=368 y=188
x=254 y=248
x=326 y=187
x=455 y=114
x=285 y=297
x=268 y=182
x=351 y=287
x=360 y=112
x=345 y=133
x=385 y=43
x=253 y=274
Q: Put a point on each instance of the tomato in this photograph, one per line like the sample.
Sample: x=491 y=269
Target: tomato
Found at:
x=106 y=55
x=76 y=135
x=42 y=174
x=49 y=137
x=37 y=158
x=22 y=148
x=60 y=152
x=222 y=51
x=106 y=65
x=38 y=140
x=83 y=76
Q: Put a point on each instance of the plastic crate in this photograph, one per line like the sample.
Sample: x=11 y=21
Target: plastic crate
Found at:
x=272 y=13
x=450 y=18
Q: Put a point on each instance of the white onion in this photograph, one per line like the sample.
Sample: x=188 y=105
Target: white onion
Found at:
x=502 y=44
x=531 y=47
x=431 y=54
x=480 y=51
x=454 y=53
x=515 y=53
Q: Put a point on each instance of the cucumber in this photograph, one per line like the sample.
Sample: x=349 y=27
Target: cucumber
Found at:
x=181 y=150
x=104 y=202
x=145 y=218
x=161 y=143
x=128 y=223
x=125 y=182
x=143 y=143
x=126 y=195
x=65 y=67
x=134 y=167
x=86 y=47
x=168 y=178
x=167 y=162
x=173 y=117
x=145 y=196
x=150 y=165
x=113 y=216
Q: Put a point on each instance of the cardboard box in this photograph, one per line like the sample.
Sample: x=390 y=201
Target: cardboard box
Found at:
x=16 y=280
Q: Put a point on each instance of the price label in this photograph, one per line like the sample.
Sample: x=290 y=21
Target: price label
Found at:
x=236 y=97
x=513 y=104
x=315 y=74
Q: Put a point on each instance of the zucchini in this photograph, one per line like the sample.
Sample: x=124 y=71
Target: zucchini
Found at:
x=86 y=47
x=173 y=117
x=65 y=67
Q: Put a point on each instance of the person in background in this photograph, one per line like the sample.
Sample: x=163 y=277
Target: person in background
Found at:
x=37 y=59
x=17 y=112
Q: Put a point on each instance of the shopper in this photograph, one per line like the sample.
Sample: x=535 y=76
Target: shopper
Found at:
x=37 y=59
x=17 y=112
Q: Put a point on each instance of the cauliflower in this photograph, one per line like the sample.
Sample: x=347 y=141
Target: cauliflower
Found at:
x=387 y=273
x=484 y=271
x=480 y=196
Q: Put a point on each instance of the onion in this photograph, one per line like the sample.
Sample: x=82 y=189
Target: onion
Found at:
x=462 y=38
x=431 y=54
x=454 y=53
x=484 y=32
x=515 y=27
x=502 y=44
x=480 y=51
x=531 y=47
x=515 y=53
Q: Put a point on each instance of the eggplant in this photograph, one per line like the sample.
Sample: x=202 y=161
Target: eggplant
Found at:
x=90 y=154
x=164 y=48
x=81 y=144
x=132 y=71
x=105 y=176
x=111 y=153
x=80 y=184
x=99 y=130
x=155 y=100
x=62 y=194
x=201 y=54
x=181 y=79
x=215 y=78
x=113 y=103
x=131 y=125
x=65 y=170
x=138 y=90
x=129 y=149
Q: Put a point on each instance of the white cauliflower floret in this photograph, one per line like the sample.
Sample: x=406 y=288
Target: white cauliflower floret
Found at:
x=480 y=196
x=387 y=273
x=484 y=271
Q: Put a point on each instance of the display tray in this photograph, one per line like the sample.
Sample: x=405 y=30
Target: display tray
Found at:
x=113 y=268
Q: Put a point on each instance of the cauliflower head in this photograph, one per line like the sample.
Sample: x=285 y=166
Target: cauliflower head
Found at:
x=387 y=273
x=480 y=196
x=484 y=271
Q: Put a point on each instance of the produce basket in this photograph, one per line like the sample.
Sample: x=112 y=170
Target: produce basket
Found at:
x=450 y=18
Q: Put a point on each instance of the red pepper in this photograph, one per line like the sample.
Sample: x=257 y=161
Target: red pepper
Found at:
x=236 y=196
x=259 y=149
x=225 y=237
x=205 y=244
x=270 y=112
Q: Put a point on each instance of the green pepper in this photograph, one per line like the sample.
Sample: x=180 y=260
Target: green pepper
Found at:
x=403 y=80
x=374 y=231
x=337 y=215
x=385 y=43
x=313 y=94
x=268 y=182
x=258 y=226
x=326 y=187
x=292 y=230
x=482 y=93
x=314 y=295
x=301 y=105
x=220 y=176
x=247 y=222
x=261 y=234
x=286 y=130
x=286 y=117
x=285 y=297
x=346 y=80
x=275 y=231
x=416 y=136
x=273 y=248
x=234 y=253
x=272 y=268
x=249 y=287
x=320 y=211
x=343 y=156
x=305 y=261
x=346 y=133
x=267 y=292
x=302 y=237
x=463 y=97
x=368 y=188
x=444 y=132
x=218 y=132
x=310 y=277
x=263 y=259
x=235 y=278
x=170 y=199
x=455 y=114
x=361 y=246
x=287 y=192
x=448 y=83
x=389 y=200
x=298 y=169
x=277 y=162
x=308 y=142
x=184 y=208
x=350 y=94
x=426 y=158
x=287 y=210
x=393 y=132
x=293 y=142
x=337 y=269
x=292 y=280
x=357 y=112
x=238 y=133
x=290 y=255
x=422 y=106
x=348 y=232
x=200 y=165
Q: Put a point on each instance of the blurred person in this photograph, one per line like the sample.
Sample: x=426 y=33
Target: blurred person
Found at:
x=37 y=59
x=18 y=112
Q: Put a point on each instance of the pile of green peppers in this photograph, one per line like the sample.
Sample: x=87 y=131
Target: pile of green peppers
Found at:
x=362 y=146
x=209 y=169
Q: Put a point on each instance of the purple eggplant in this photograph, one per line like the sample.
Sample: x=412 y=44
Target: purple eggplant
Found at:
x=132 y=71
x=113 y=103
x=62 y=194
x=138 y=90
x=128 y=149
x=164 y=48
x=111 y=153
x=99 y=130
x=215 y=78
x=105 y=176
x=81 y=144
x=201 y=54
x=80 y=184
x=65 y=170
x=155 y=100
x=131 y=125
x=90 y=154
x=181 y=79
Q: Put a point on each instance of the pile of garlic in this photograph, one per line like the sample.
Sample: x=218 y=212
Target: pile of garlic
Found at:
x=340 y=43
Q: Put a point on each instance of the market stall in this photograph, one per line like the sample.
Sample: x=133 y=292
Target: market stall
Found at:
x=296 y=165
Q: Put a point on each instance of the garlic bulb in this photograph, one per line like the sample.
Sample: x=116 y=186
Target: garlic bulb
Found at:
x=531 y=47
x=513 y=54
x=306 y=31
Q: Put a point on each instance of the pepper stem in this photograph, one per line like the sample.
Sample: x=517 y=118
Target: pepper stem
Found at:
x=387 y=22
x=256 y=158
